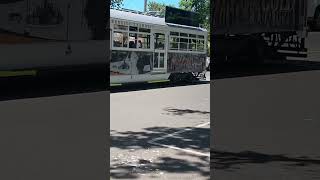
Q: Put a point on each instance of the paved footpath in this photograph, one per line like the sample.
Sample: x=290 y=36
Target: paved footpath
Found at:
x=161 y=133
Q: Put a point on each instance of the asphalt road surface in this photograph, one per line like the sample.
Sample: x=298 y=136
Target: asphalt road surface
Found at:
x=266 y=120
x=53 y=128
x=160 y=132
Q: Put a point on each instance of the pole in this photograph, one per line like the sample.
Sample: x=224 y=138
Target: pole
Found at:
x=145 y=5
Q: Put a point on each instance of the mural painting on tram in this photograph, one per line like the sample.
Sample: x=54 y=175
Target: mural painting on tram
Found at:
x=186 y=62
x=130 y=62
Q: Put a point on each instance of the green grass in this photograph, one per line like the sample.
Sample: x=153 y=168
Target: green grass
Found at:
x=18 y=73
x=115 y=84
x=159 y=81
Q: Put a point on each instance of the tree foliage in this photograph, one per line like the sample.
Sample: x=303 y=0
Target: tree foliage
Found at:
x=160 y=7
x=154 y=6
x=94 y=12
x=116 y=3
x=202 y=7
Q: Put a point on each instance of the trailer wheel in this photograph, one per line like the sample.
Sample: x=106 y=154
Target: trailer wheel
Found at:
x=259 y=51
x=316 y=19
x=176 y=78
x=182 y=78
x=219 y=60
x=190 y=78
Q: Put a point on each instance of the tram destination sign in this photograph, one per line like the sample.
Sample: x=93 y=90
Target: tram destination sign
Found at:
x=181 y=17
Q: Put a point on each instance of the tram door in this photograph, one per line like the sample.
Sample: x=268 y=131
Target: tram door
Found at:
x=159 y=55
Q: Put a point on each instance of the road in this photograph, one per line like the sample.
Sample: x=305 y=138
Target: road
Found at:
x=53 y=128
x=160 y=133
x=266 y=120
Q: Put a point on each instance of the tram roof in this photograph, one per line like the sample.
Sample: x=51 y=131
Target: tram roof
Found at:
x=130 y=16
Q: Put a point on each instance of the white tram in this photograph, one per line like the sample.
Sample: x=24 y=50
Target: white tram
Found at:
x=146 y=48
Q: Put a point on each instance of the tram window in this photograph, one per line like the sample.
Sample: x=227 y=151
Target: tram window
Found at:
x=200 y=37
x=144 y=30
x=192 y=47
x=155 y=60
x=192 y=41
x=120 y=39
x=200 y=48
x=192 y=44
x=174 y=33
x=159 y=42
x=174 y=46
x=174 y=41
x=132 y=40
x=144 y=41
x=184 y=40
x=120 y=27
x=183 y=44
x=200 y=45
x=161 y=64
x=184 y=34
x=133 y=28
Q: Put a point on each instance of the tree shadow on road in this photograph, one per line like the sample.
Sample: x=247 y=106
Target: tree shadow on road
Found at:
x=181 y=112
x=149 y=86
x=48 y=85
x=186 y=139
x=224 y=160
x=243 y=70
x=196 y=139
x=164 y=164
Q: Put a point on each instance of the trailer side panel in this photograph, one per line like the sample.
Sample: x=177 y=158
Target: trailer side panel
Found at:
x=256 y=16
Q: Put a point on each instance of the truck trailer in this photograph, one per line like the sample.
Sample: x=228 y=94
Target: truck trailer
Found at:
x=257 y=30
x=52 y=35
x=314 y=15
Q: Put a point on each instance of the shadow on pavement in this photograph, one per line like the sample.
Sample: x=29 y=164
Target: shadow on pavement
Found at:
x=223 y=160
x=197 y=139
x=164 y=164
x=181 y=112
x=243 y=70
x=51 y=85
x=132 y=140
x=149 y=86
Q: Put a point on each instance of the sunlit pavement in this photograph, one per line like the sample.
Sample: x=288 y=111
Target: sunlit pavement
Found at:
x=161 y=133
x=41 y=137
x=53 y=126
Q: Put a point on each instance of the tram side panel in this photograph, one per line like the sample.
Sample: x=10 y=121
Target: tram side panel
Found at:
x=186 y=62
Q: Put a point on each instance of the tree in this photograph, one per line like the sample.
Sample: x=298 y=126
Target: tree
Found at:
x=94 y=12
x=202 y=7
x=116 y=3
x=160 y=7
x=154 y=6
